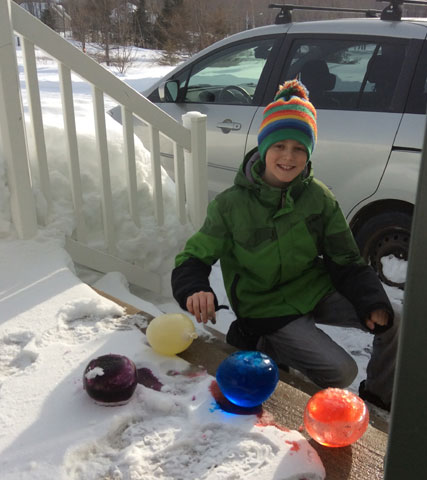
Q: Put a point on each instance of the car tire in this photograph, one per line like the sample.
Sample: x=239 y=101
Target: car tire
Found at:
x=385 y=234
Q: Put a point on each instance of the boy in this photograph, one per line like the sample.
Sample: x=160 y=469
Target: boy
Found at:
x=289 y=260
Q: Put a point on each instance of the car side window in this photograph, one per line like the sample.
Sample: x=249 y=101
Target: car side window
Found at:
x=347 y=75
x=229 y=76
x=417 y=100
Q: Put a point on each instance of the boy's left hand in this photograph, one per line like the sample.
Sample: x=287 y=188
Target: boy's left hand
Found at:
x=377 y=317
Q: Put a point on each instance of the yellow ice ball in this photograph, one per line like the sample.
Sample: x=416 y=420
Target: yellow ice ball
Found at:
x=170 y=333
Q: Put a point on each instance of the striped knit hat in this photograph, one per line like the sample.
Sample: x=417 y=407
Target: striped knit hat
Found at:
x=289 y=116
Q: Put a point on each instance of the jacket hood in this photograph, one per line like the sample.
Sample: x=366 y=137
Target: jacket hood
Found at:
x=250 y=176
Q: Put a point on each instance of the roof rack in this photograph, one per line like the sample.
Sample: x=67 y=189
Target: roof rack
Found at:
x=392 y=12
x=285 y=14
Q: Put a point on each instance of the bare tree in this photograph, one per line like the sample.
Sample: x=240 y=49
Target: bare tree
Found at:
x=81 y=21
x=123 y=35
x=99 y=15
x=183 y=26
x=208 y=23
x=187 y=26
x=123 y=58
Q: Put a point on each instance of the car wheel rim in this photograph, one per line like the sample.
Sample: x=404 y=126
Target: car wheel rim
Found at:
x=390 y=241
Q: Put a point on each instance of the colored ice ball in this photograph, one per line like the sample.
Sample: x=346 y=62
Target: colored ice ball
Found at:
x=110 y=379
x=247 y=378
x=170 y=333
x=335 y=417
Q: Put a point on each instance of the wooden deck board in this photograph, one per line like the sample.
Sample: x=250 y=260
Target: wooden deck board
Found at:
x=361 y=461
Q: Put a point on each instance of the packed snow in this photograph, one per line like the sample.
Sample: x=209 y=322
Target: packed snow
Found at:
x=53 y=323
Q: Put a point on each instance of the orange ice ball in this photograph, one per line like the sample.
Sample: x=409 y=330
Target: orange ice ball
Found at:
x=335 y=417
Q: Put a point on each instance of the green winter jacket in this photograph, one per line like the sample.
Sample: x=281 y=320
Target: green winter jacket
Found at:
x=276 y=247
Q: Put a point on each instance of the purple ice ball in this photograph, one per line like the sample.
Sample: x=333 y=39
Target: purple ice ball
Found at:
x=110 y=379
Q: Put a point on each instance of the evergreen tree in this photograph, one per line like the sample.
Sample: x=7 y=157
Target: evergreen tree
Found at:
x=142 y=27
x=48 y=18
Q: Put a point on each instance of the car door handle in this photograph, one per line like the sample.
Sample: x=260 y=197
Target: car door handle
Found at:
x=227 y=125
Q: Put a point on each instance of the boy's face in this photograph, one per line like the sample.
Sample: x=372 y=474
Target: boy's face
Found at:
x=284 y=161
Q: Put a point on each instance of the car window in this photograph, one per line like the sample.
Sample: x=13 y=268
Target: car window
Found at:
x=229 y=76
x=417 y=100
x=347 y=75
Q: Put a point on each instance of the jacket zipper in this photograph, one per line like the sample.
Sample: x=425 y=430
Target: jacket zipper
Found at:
x=283 y=198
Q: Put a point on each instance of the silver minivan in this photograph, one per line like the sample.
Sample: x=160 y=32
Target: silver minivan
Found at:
x=367 y=79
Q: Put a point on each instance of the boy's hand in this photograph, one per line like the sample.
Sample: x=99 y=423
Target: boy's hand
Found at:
x=377 y=317
x=202 y=306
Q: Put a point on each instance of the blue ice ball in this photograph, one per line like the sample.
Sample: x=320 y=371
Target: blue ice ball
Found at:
x=247 y=378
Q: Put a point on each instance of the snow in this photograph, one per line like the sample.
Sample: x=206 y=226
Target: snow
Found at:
x=95 y=372
x=53 y=323
x=394 y=268
x=52 y=326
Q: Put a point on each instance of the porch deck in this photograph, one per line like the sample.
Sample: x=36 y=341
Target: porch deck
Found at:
x=361 y=461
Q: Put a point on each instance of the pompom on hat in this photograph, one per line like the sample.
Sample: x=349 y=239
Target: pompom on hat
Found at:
x=290 y=115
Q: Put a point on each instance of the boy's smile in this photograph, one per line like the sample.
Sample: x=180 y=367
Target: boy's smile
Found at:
x=284 y=161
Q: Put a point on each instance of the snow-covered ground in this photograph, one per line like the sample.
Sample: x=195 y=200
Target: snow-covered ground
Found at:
x=52 y=323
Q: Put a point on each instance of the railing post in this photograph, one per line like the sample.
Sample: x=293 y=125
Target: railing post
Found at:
x=13 y=145
x=196 y=168
x=406 y=447
x=36 y=118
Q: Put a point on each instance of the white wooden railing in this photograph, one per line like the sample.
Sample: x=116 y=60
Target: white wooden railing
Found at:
x=189 y=141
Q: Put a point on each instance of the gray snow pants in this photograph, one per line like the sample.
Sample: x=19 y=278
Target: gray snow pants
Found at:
x=304 y=347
